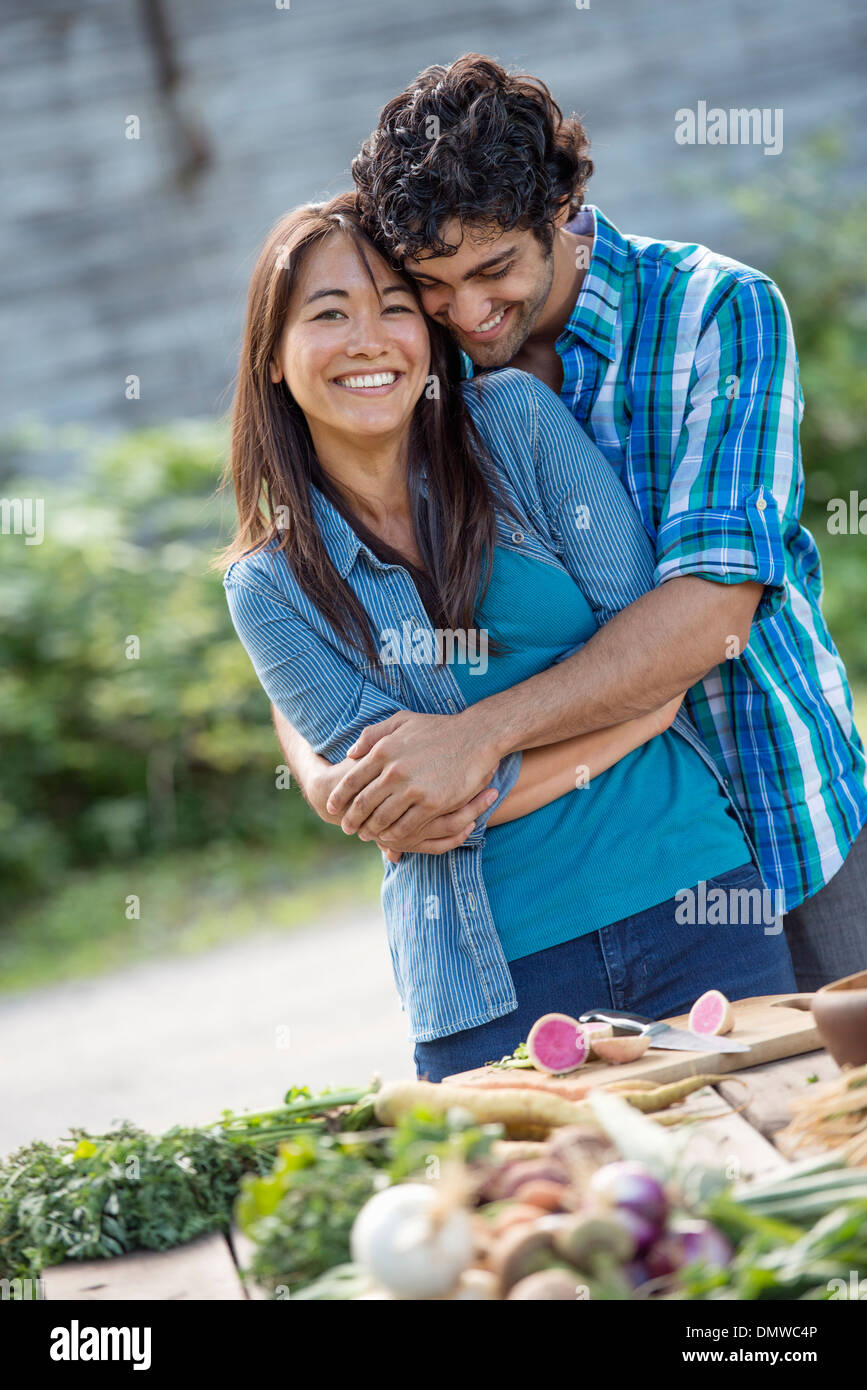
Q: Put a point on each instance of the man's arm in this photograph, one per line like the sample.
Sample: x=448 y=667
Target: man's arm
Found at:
x=317 y=778
x=647 y=655
x=556 y=769
x=660 y=645
x=719 y=557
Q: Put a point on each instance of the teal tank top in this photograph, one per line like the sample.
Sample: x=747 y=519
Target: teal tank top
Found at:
x=656 y=822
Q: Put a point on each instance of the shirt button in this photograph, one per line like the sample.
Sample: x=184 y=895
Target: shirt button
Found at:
x=761 y=504
x=517 y=537
x=471 y=903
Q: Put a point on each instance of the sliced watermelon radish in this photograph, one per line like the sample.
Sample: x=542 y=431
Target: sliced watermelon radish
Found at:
x=712 y=1015
x=619 y=1050
x=594 y=1031
x=557 y=1044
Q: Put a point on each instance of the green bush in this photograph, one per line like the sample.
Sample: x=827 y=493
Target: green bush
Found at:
x=109 y=755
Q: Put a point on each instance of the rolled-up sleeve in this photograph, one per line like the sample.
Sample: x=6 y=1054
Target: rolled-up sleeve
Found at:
x=737 y=479
x=729 y=547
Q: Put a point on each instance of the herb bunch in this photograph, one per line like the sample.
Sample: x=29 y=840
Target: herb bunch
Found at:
x=101 y=1195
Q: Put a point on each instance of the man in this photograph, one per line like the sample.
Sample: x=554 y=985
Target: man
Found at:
x=681 y=365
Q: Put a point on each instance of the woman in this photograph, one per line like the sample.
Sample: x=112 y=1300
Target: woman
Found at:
x=378 y=495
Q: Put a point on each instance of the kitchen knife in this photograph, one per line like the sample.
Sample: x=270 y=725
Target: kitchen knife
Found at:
x=662 y=1034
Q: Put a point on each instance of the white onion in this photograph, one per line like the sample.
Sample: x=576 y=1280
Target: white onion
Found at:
x=411 y=1243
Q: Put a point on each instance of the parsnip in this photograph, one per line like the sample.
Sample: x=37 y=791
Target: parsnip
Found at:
x=525 y=1114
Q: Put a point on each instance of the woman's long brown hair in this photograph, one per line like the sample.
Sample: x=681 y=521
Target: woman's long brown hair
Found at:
x=273 y=461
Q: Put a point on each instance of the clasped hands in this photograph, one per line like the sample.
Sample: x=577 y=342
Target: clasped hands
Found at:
x=415 y=782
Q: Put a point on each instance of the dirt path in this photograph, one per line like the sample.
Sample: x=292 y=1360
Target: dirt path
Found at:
x=180 y=1040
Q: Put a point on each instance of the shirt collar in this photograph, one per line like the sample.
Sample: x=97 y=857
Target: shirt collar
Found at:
x=341 y=541
x=594 y=317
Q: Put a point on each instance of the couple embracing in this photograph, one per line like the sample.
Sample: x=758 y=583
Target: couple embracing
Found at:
x=468 y=406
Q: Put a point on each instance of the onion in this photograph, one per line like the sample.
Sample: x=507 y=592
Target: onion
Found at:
x=702 y=1241
x=631 y=1187
x=665 y=1256
x=685 y=1242
x=640 y=1227
x=413 y=1241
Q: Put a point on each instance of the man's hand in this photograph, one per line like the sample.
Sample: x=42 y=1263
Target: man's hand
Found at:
x=410 y=770
x=318 y=778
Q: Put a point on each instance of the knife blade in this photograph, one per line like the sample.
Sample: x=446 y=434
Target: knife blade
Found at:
x=663 y=1034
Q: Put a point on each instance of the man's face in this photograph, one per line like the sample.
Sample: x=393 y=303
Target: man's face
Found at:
x=490 y=293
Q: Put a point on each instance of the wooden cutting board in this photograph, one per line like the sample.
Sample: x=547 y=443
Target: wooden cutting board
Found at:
x=772 y=1026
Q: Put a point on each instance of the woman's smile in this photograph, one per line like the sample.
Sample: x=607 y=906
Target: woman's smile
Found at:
x=369 y=383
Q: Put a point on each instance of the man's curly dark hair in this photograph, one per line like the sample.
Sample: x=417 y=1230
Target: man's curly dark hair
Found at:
x=473 y=142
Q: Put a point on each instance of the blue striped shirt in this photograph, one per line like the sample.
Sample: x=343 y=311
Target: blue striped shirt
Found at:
x=574 y=513
x=680 y=364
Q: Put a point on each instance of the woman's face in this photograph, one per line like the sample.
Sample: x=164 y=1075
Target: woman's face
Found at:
x=355 y=365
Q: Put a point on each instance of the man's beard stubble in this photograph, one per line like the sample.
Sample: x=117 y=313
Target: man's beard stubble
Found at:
x=501 y=351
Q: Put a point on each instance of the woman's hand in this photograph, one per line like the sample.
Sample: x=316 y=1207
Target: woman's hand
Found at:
x=441 y=834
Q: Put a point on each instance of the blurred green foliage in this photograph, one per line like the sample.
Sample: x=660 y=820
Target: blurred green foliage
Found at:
x=109 y=755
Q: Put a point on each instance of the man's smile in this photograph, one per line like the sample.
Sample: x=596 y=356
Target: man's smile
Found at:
x=490 y=328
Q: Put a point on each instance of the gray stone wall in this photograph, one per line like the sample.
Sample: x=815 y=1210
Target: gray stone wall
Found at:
x=114 y=261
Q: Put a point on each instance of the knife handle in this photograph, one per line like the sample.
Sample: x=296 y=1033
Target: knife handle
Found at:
x=630 y=1023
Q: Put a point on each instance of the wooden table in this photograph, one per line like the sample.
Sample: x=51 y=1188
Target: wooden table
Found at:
x=741 y=1140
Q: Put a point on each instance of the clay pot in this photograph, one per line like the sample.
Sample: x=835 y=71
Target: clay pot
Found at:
x=840 y=1011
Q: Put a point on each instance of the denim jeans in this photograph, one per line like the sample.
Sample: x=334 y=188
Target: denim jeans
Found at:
x=652 y=963
x=827 y=934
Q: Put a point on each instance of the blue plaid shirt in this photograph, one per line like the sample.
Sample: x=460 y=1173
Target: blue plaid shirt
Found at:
x=680 y=364
x=448 y=962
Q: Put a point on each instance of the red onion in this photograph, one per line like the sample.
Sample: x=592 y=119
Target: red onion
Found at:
x=685 y=1242
x=642 y=1230
x=665 y=1256
x=630 y=1187
x=702 y=1241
